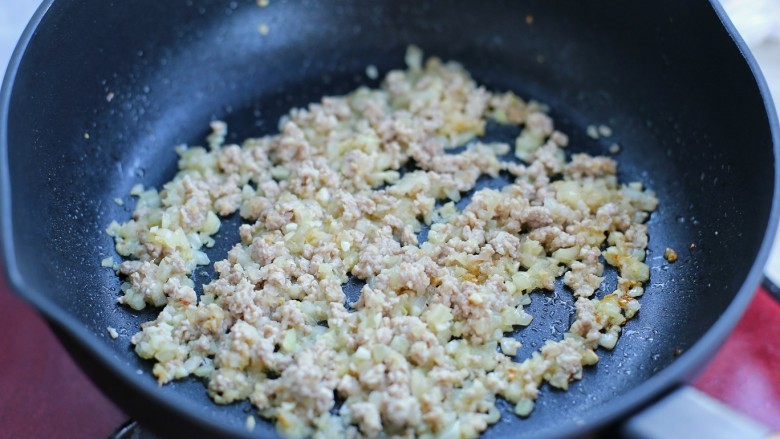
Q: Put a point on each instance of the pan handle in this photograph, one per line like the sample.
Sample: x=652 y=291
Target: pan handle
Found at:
x=771 y=286
x=688 y=413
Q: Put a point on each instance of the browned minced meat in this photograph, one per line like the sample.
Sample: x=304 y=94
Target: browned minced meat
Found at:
x=325 y=199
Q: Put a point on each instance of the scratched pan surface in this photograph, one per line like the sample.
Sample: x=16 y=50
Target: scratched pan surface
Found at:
x=667 y=77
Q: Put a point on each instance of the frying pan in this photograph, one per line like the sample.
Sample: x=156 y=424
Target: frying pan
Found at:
x=99 y=91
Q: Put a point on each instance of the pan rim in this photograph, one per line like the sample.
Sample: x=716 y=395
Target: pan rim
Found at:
x=676 y=373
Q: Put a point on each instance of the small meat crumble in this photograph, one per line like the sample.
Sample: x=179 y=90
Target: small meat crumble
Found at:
x=604 y=131
x=670 y=254
x=250 y=423
x=372 y=72
x=592 y=131
x=425 y=350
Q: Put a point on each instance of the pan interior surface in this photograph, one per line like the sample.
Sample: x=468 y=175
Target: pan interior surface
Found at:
x=106 y=89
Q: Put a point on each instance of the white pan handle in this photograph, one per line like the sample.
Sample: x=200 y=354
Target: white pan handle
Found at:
x=688 y=413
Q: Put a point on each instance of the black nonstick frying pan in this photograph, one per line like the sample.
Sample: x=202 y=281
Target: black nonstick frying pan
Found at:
x=100 y=91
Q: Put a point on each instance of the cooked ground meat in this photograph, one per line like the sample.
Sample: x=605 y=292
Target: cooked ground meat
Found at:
x=671 y=255
x=325 y=199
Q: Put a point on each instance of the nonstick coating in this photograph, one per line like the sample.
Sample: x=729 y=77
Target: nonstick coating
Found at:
x=665 y=75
